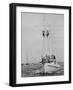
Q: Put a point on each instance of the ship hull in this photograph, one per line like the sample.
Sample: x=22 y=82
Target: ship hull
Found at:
x=50 y=68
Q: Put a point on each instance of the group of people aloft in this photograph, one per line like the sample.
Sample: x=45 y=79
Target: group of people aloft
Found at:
x=49 y=59
x=45 y=33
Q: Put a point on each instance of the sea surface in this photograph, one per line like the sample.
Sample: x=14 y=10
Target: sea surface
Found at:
x=36 y=69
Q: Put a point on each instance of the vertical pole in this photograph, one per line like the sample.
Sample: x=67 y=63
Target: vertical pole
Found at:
x=47 y=35
x=26 y=56
x=43 y=34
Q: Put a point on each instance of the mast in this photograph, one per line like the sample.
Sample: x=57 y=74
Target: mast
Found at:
x=47 y=36
x=43 y=34
x=26 y=56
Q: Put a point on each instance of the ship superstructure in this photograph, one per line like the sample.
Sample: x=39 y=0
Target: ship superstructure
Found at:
x=48 y=59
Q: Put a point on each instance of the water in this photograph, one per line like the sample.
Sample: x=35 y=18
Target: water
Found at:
x=35 y=70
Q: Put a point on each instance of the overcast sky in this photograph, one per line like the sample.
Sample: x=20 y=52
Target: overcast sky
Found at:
x=32 y=40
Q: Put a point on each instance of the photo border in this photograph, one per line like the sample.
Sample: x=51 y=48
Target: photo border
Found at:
x=12 y=64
